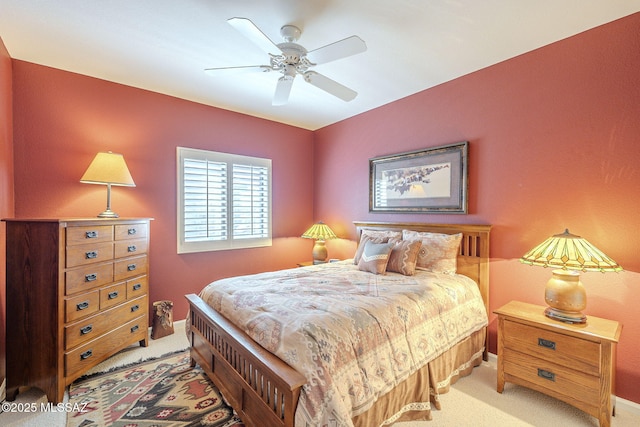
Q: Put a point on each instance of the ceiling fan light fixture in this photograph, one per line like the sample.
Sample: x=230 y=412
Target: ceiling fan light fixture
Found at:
x=290 y=33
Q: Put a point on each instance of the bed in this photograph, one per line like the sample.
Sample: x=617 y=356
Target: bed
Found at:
x=247 y=362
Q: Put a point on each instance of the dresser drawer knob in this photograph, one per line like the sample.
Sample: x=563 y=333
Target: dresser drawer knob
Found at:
x=91 y=234
x=137 y=286
x=87 y=354
x=135 y=308
x=131 y=267
x=113 y=295
x=546 y=375
x=131 y=231
x=91 y=277
x=82 y=306
x=134 y=328
x=132 y=248
x=91 y=254
x=87 y=329
x=551 y=345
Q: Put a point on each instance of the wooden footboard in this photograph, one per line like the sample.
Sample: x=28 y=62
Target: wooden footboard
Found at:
x=261 y=388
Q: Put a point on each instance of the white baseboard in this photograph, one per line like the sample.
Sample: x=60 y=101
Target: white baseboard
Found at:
x=621 y=404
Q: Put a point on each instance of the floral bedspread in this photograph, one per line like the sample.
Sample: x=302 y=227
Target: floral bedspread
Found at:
x=352 y=334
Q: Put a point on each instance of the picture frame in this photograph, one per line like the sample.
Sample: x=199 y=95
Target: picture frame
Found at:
x=432 y=180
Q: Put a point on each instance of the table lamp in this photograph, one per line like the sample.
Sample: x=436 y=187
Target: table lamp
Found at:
x=108 y=169
x=564 y=292
x=320 y=232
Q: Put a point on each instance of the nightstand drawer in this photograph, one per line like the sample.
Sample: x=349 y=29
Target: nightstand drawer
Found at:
x=572 y=352
x=564 y=383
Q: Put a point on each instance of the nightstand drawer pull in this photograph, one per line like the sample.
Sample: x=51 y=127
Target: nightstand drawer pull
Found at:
x=87 y=354
x=91 y=277
x=131 y=231
x=551 y=345
x=91 y=255
x=113 y=295
x=82 y=306
x=91 y=234
x=131 y=267
x=87 y=329
x=137 y=286
x=135 y=308
x=132 y=248
x=546 y=375
x=135 y=328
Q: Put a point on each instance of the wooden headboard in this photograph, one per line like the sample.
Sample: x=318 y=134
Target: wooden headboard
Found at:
x=473 y=258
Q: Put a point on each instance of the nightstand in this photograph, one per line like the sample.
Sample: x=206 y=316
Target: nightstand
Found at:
x=571 y=362
x=305 y=264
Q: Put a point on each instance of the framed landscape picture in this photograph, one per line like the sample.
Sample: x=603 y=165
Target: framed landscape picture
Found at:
x=433 y=180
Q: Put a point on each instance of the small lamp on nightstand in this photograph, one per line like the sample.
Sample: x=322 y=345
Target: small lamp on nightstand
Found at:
x=320 y=232
x=564 y=292
x=108 y=169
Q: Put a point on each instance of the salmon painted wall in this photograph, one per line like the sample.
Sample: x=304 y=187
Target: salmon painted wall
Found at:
x=6 y=182
x=61 y=120
x=554 y=143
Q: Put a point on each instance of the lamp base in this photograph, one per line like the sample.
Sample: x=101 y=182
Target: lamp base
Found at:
x=566 y=297
x=565 y=316
x=319 y=252
x=108 y=214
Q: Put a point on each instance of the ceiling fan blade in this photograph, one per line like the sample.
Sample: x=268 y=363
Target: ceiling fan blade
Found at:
x=283 y=89
x=253 y=33
x=338 y=50
x=227 y=71
x=330 y=86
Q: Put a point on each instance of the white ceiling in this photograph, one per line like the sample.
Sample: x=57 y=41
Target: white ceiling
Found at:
x=164 y=45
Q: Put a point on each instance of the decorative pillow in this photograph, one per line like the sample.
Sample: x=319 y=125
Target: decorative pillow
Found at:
x=439 y=252
x=377 y=236
x=403 y=256
x=375 y=257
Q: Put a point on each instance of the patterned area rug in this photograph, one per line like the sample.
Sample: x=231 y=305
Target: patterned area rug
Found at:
x=161 y=392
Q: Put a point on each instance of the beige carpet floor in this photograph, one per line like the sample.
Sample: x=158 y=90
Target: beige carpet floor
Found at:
x=472 y=401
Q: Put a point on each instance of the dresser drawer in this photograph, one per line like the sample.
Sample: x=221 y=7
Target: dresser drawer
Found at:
x=88 y=277
x=138 y=286
x=93 y=234
x=564 y=383
x=93 y=352
x=89 y=254
x=113 y=295
x=130 y=248
x=81 y=305
x=96 y=325
x=572 y=352
x=131 y=231
x=130 y=267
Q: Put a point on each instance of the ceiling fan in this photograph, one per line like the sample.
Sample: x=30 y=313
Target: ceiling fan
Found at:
x=290 y=59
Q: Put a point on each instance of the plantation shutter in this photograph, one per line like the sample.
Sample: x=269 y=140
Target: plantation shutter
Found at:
x=250 y=201
x=224 y=201
x=205 y=200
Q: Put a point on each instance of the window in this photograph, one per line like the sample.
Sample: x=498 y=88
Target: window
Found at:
x=224 y=201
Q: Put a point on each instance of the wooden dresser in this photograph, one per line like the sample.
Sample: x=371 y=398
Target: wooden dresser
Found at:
x=571 y=362
x=77 y=292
